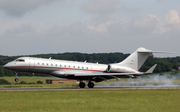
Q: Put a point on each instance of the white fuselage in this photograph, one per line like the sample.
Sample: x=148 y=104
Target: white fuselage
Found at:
x=48 y=66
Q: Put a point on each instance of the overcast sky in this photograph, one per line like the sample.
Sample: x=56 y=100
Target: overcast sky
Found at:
x=88 y=26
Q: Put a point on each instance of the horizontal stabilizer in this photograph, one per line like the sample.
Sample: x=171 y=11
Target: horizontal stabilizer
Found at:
x=151 y=69
x=143 y=50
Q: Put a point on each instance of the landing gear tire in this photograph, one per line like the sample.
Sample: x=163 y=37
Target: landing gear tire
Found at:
x=16 y=79
x=82 y=85
x=90 y=84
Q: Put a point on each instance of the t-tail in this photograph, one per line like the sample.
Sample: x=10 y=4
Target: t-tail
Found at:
x=137 y=59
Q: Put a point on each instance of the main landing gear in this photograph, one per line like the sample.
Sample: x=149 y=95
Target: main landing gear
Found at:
x=90 y=84
x=82 y=84
x=16 y=79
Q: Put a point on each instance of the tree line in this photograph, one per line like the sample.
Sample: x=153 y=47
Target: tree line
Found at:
x=164 y=64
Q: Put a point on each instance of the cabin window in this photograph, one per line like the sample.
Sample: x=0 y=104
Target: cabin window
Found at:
x=69 y=66
x=38 y=63
x=42 y=63
x=78 y=67
x=51 y=64
x=64 y=65
x=74 y=66
x=82 y=67
x=56 y=64
x=60 y=65
x=86 y=67
x=47 y=64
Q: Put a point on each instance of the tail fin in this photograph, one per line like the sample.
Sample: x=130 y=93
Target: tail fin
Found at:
x=137 y=59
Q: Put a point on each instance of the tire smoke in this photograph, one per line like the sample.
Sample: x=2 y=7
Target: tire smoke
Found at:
x=148 y=80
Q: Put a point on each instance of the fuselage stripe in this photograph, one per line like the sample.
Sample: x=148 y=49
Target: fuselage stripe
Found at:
x=41 y=67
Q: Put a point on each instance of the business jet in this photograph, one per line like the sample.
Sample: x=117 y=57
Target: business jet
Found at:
x=84 y=71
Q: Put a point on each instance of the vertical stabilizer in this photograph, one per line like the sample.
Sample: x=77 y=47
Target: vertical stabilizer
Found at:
x=136 y=59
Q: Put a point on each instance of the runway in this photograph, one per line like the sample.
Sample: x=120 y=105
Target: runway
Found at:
x=95 y=88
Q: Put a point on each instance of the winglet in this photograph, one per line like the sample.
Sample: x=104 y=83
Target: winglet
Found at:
x=151 y=69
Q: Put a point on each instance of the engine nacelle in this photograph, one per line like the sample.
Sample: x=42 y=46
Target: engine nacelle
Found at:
x=114 y=68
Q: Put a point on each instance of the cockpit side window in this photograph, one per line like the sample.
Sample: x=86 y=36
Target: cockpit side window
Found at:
x=20 y=60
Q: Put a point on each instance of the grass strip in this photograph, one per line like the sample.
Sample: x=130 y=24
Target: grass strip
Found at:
x=162 y=100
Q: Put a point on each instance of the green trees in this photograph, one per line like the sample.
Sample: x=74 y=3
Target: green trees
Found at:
x=163 y=64
x=1 y=71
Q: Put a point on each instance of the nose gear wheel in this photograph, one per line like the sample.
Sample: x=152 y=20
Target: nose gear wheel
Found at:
x=16 y=79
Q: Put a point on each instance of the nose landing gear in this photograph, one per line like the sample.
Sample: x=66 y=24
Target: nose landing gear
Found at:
x=16 y=79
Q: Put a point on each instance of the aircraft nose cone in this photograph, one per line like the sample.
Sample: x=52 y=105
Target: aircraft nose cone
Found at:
x=5 y=66
x=8 y=66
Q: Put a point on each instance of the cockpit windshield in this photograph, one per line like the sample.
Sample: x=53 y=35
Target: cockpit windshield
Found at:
x=20 y=60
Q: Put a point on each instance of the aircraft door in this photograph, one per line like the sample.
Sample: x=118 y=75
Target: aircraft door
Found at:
x=31 y=65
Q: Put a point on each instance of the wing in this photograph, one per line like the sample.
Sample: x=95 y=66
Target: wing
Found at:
x=84 y=74
x=94 y=77
x=99 y=76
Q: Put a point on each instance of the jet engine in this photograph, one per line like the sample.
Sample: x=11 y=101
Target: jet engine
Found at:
x=115 y=68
